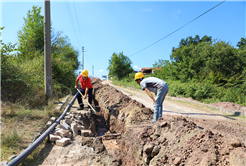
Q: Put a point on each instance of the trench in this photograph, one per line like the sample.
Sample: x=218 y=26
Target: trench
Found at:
x=102 y=126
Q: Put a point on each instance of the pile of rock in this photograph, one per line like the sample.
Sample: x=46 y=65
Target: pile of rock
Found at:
x=74 y=123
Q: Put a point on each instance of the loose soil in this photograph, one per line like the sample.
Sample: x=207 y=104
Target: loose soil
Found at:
x=187 y=134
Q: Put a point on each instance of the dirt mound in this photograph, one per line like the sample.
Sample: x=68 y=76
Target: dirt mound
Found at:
x=95 y=79
x=176 y=141
x=230 y=106
x=172 y=140
x=119 y=110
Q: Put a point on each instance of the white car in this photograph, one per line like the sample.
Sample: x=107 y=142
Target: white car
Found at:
x=104 y=77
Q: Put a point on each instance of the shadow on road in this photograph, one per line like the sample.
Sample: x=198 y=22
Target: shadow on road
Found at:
x=225 y=116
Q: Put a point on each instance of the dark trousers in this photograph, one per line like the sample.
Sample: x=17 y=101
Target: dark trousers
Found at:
x=89 y=95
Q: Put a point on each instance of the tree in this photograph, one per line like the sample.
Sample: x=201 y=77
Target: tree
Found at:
x=119 y=65
x=31 y=36
x=242 y=44
x=10 y=74
x=6 y=48
x=31 y=44
x=164 y=69
x=64 y=60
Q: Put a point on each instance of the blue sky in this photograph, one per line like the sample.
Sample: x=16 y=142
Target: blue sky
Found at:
x=107 y=27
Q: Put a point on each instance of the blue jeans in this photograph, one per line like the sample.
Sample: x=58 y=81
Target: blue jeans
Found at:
x=161 y=94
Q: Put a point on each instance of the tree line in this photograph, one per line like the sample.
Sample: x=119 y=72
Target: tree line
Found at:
x=205 y=69
x=22 y=63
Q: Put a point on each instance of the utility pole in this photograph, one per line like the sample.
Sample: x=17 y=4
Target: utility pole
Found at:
x=82 y=58
x=47 y=51
x=92 y=71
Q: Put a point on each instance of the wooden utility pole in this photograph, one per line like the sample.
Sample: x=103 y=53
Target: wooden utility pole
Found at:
x=82 y=58
x=47 y=51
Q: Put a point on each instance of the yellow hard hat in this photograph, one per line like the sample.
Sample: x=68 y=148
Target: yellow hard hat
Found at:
x=138 y=75
x=85 y=73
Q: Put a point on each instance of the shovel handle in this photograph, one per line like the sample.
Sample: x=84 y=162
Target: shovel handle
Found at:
x=87 y=102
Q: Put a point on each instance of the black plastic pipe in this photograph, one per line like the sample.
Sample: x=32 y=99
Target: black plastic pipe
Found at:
x=40 y=139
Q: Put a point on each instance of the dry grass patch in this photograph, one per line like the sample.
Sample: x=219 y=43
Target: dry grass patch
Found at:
x=21 y=125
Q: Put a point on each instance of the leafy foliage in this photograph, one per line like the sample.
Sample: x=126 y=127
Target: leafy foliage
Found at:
x=23 y=75
x=211 y=69
x=64 y=61
x=242 y=43
x=119 y=65
x=31 y=35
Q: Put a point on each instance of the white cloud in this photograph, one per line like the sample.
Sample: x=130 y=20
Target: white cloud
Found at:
x=136 y=67
x=100 y=70
x=175 y=14
x=147 y=10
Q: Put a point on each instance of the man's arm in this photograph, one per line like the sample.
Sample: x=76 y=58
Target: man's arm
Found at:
x=150 y=95
x=76 y=84
x=86 y=92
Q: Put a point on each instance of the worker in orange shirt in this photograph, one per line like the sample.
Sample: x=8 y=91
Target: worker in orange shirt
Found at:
x=86 y=88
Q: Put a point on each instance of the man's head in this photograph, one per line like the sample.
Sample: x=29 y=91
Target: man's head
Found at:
x=85 y=74
x=139 y=77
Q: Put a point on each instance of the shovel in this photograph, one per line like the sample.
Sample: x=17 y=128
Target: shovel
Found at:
x=87 y=102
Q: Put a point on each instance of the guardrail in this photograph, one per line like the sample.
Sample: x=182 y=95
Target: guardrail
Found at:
x=40 y=139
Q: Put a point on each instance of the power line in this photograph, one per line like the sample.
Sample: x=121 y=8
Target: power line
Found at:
x=77 y=22
x=71 y=21
x=178 y=29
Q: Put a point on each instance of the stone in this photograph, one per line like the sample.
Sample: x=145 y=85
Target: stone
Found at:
x=148 y=149
x=68 y=121
x=48 y=124
x=63 y=141
x=65 y=126
x=62 y=121
x=235 y=143
x=57 y=128
x=86 y=133
x=62 y=132
x=12 y=157
x=177 y=160
x=67 y=117
x=53 y=137
x=146 y=159
x=69 y=135
x=79 y=127
x=155 y=151
x=78 y=117
x=53 y=119
x=74 y=127
x=163 y=124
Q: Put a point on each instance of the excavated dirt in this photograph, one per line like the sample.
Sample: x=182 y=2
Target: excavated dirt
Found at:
x=127 y=136
x=230 y=106
x=172 y=140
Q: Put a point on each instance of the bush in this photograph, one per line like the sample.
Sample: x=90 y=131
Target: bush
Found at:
x=10 y=139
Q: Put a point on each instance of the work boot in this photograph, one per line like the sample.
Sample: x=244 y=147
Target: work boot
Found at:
x=81 y=107
x=86 y=108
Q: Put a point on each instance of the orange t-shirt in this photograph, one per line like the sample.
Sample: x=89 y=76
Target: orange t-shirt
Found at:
x=84 y=83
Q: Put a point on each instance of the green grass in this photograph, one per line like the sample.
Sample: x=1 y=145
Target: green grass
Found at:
x=125 y=83
x=200 y=91
x=20 y=124
x=10 y=139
